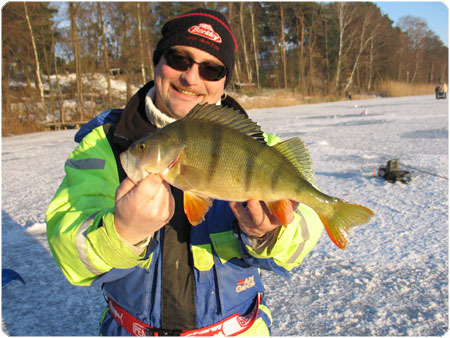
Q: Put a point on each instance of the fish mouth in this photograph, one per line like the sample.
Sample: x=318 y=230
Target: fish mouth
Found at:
x=131 y=168
x=125 y=160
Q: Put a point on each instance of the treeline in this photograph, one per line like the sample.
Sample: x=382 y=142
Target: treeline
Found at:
x=326 y=48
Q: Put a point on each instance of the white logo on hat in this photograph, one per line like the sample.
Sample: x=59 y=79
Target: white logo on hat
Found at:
x=205 y=30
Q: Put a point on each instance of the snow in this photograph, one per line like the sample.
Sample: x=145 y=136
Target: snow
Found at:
x=391 y=281
x=95 y=84
x=94 y=80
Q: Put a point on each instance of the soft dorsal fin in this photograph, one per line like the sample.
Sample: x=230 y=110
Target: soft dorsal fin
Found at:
x=227 y=116
x=295 y=151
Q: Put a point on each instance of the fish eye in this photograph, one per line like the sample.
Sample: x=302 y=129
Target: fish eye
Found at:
x=141 y=146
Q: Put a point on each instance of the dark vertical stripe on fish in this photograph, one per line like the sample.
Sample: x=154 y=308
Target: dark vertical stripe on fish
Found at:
x=250 y=165
x=182 y=132
x=276 y=176
x=299 y=188
x=215 y=151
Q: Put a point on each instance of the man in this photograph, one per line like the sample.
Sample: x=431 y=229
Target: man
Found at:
x=160 y=275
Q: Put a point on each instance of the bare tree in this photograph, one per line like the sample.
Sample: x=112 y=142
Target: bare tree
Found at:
x=77 y=55
x=417 y=31
x=327 y=59
x=402 y=52
x=141 y=47
x=312 y=37
x=371 y=65
x=149 y=33
x=283 y=46
x=58 y=86
x=300 y=27
x=377 y=50
x=237 y=65
x=44 y=32
x=255 y=48
x=37 y=70
x=105 y=52
x=244 y=42
x=6 y=79
x=345 y=13
x=367 y=30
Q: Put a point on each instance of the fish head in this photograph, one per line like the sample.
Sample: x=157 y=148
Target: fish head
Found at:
x=154 y=154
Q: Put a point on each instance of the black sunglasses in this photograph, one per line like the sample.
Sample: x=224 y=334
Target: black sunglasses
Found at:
x=207 y=70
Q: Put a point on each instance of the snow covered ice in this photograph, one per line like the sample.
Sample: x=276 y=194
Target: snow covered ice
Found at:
x=391 y=281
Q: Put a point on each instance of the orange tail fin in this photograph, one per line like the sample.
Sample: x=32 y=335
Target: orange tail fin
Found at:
x=344 y=216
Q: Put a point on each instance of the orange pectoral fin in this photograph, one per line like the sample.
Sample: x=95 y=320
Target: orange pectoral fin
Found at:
x=279 y=209
x=196 y=207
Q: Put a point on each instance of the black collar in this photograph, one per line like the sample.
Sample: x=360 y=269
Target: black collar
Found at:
x=133 y=123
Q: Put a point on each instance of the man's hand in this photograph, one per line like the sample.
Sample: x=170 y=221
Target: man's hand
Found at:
x=256 y=220
x=142 y=209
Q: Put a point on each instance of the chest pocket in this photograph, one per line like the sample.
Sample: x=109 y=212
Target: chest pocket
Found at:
x=225 y=246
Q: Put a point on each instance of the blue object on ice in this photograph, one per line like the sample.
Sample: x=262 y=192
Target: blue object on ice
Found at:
x=109 y=116
x=8 y=275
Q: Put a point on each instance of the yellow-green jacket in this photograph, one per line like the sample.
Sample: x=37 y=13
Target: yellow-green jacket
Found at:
x=217 y=266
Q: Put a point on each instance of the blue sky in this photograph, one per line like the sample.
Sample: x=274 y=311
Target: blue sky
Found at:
x=434 y=13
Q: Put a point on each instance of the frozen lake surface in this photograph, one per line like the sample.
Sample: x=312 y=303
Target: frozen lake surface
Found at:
x=391 y=280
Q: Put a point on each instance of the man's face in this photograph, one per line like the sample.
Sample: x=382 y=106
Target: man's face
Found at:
x=177 y=92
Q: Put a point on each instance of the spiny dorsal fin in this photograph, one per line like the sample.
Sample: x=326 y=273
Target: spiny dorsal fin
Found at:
x=227 y=116
x=295 y=151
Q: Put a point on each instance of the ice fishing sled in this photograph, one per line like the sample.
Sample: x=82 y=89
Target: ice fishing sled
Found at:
x=391 y=173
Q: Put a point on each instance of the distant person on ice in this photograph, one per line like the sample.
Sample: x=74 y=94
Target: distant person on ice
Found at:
x=160 y=275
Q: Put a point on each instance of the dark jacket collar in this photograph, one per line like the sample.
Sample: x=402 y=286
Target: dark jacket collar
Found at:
x=133 y=123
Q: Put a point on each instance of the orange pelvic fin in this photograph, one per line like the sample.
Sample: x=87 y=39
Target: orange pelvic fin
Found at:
x=279 y=209
x=196 y=207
